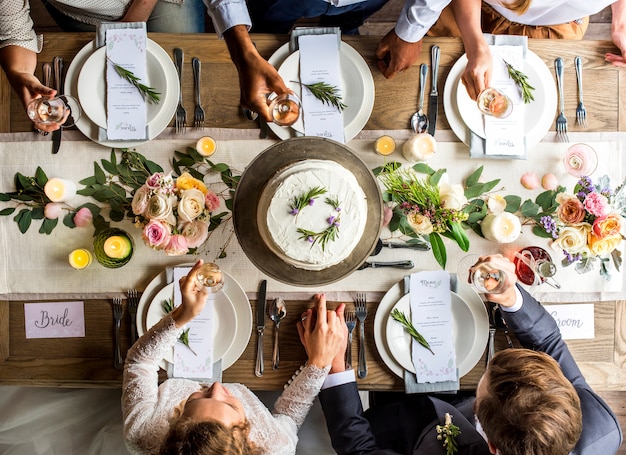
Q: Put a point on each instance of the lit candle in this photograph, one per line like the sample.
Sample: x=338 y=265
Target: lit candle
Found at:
x=59 y=190
x=419 y=147
x=501 y=227
x=206 y=146
x=80 y=258
x=385 y=145
x=117 y=247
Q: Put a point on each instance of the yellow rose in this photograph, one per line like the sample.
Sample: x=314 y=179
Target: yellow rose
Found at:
x=419 y=223
x=187 y=182
x=607 y=226
x=601 y=246
x=572 y=239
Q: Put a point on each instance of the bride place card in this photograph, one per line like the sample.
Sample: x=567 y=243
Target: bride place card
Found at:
x=54 y=319
x=431 y=314
x=126 y=108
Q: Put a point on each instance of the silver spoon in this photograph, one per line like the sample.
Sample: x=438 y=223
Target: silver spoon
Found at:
x=277 y=311
x=419 y=121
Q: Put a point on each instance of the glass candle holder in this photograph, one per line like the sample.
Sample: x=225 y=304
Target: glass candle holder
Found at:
x=494 y=103
x=113 y=248
x=385 y=145
x=206 y=146
x=580 y=160
x=80 y=258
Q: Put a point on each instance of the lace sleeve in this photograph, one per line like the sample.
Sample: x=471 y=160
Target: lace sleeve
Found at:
x=297 y=398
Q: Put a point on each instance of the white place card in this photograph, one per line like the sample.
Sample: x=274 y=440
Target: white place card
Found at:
x=575 y=320
x=196 y=362
x=319 y=62
x=126 y=108
x=431 y=314
x=54 y=320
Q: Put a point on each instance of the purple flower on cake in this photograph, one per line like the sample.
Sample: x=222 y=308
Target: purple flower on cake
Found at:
x=298 y=203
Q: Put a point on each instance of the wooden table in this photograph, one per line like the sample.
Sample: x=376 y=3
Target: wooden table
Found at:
x=87 y=362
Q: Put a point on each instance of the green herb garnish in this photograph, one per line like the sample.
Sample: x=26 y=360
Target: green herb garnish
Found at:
x=168 y=306
x=329 y=234
x=399 y=316
x=447 y=433
x=326 y=93
x=308 y=198
x=521 y=80
x=145 y=91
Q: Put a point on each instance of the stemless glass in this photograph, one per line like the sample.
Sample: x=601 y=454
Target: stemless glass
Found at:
x=211 y=277
x=62 y=109
x=483 y=276
x=580 y=160
x=284 y=108
x=493 y=102
x=534 y=266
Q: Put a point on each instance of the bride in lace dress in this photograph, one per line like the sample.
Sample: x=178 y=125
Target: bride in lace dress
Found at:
x=183 y=410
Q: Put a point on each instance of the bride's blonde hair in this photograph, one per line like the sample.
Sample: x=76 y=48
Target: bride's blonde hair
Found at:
x=518 y=6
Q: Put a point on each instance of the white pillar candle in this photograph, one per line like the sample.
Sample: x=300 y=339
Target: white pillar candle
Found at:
x=59 y=190
x=419 y=147
x=501 y=227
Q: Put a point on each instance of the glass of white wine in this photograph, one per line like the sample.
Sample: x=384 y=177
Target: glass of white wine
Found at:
x=211 y=277
x=495 y=103
x=62 y=109
x=483 y=276
x=284 y=108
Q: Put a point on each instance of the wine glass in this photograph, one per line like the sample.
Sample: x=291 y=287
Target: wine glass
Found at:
x=580 y=160
x=493 y=102
x=211 y=277
x=534 y=266
x=284 y=108
x=63 y=109
x=482 y=275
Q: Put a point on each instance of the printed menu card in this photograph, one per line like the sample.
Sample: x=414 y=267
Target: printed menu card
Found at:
x=431 y=314
x=196 y=360
x=126 y=108
x=319 y=62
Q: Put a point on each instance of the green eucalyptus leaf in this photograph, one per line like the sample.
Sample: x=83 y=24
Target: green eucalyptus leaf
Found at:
x=546 y=200
x=4 y=197
x=41 y=177
x=220 y=167
x=439 y=249
x=460 y=236
x=110 y=167
x=192 y=152
x=48 y=226
x=476 y=227
x=513 y=203
x=99 y=174
x=436 y=177
x=88 y=181
x=541 y=232
x=152 y=167
x=474 y=177
x=423 y=168
x=37 y=213
x=23 y=220
x=529 y=208
x=7 y=211
x=394 y=223
x=68 y=220
x=229 y=204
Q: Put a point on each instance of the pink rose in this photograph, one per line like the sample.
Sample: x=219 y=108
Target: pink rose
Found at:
x=211 y=201
x=156 y=234
x=140 y=200
x=195 y=232
x=161 y=182
x=596 y=204
x=571 y=210
x=83 y=217
x=53 y=210
x=177 y=246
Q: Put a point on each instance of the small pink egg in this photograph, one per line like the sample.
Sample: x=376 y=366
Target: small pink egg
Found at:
x=387 y=215
x=529 y=180
x=549 y=182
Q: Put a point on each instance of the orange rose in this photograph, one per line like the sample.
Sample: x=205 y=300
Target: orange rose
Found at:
x=607 y=226
x=571 y=210
x=187 y=182
x=601 y=246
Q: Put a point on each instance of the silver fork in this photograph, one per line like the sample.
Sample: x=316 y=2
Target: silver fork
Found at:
x=133 y=302
x=181 y=114
x=351 y=323
x=198 y=113
x=561 y=121
x=361 y=314
x=117 y=317
x=581 y=112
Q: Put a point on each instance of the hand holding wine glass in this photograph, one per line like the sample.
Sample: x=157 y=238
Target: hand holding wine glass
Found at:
x=493 y=275
x=61 y=110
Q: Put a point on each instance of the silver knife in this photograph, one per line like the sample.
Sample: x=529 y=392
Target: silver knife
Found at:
x=412 y=246
x=260 y=327
x=57 y=67
x=434 y=94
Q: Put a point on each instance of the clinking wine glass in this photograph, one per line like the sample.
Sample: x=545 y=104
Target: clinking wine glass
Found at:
x=211 y=277
x=534 y=266
x=284 y=108
x=482 y=275
x=494 y=103
x=64 y=110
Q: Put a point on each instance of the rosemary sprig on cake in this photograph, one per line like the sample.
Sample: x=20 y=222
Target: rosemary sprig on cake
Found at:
x=147 y=93
x=521 y=80
x=308 y=198
x=326 y=93
x=329 y=234
x=399 y=316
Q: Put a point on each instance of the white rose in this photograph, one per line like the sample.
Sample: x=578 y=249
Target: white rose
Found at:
x=452 y=196
x=419 y=223
x=140 y=200
x=191 y=204
x=160 y=207
x=572 y=239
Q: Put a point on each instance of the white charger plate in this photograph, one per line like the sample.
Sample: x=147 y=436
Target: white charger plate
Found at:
x=463 y=114
x=166 y=108
x=357 y=85
x=471 y=330
x=236 y=295
x=224 y=320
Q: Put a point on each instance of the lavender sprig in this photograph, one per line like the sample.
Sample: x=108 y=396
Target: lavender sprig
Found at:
x=329 y=234
x=308 y=198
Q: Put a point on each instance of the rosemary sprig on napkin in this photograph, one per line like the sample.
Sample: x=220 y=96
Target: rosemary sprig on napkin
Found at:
x=521 y=80
x=168 y=306
x=326 y=93
x=146 y=92
x=409 y=327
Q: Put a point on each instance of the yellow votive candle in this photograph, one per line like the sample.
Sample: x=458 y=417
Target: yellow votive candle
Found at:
x=117 y=247
x=59 y=190
x=385 y=145
x=501 y=227
x=80 y=258
x=206 y=146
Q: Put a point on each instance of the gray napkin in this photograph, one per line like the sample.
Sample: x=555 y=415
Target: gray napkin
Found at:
x=410 y=380
x=299 y=31
x=101 y=36
x=217 y=365
x=477 y=143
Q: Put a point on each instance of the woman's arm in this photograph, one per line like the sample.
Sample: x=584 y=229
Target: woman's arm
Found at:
x=618 y=33
x=139 y=11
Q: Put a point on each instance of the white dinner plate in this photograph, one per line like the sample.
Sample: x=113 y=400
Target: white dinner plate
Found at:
x=236 y=295
x=356 y=80
x=463 y=114
x=166 y=108
x=470 y=324
x=92 y=86
x=224 y=320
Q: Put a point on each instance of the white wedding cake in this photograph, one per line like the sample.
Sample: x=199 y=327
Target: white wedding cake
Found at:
x=317 y=213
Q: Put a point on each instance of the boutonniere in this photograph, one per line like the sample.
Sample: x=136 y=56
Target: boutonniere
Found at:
x=447 y=433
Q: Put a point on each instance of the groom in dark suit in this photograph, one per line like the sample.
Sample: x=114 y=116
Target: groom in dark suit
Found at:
x=529 y=401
